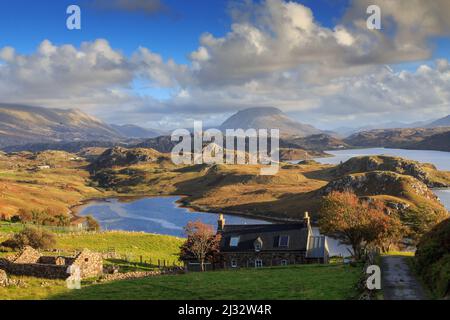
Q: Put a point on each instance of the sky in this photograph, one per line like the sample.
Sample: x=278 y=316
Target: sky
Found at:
x=165 y=63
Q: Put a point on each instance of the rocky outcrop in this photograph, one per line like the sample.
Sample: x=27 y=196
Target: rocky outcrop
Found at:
x=118 y=156
x=395 y=164
x=379 y=183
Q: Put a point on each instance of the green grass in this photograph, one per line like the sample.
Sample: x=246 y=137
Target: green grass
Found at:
x=32 y=289
x=323 y=282
x=130 y=244
x=8 y=227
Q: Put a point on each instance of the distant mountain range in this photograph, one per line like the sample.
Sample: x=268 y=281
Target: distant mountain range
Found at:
x=132 y=131
x=347 y=131
x=37 y=129
x=21 y=125
x=268 y=118
x=401 y=138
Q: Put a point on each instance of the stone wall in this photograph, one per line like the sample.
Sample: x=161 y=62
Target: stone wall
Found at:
x=36 y=270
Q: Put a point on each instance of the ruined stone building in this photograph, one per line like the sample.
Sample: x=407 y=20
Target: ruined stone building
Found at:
x=29 y=262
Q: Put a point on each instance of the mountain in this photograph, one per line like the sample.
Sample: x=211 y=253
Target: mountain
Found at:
x=132 y=131
x=443 y=122
x=440 y=141
x=25 y=124
x=347 y=131
x=268 y=118
x=394 y=138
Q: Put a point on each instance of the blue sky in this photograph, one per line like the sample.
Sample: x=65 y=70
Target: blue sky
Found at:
x=173 y=34
x=164 y=93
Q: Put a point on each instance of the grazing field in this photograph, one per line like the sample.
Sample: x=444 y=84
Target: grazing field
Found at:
x=132 y=244
x=305 y=282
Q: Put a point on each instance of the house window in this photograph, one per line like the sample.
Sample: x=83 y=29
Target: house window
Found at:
x=258 y=263
x=284 y=262
x=233 y=263
x=257 y=247
x=234 y=241
x=284 y=241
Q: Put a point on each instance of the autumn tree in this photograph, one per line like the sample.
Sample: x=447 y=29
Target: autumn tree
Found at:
x=357 y=223
x=202 y=243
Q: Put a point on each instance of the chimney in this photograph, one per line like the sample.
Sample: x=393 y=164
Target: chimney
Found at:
x=220 y=223
x=306 y=219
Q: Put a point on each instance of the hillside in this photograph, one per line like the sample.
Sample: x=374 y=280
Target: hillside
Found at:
x=395 y=138
x=433 y=259
x=411 y=200
x=443 y=122
x=426 y=173
x=268 y=118
x=440 y=141
x=119 y=157
x=25 y=124
x=317 y=142
x=63 y=182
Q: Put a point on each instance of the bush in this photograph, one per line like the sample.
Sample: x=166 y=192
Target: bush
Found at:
x=35 y=238
x=433 y=258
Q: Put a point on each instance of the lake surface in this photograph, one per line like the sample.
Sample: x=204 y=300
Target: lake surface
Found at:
x=439 y=158
x=154 y=215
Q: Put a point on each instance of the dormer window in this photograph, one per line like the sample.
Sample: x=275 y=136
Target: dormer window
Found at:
x=258 y=244
x=234 y=241
x=283 y=242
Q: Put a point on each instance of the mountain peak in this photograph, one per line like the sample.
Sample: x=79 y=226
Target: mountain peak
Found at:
x=20 y=124
x=268 y=118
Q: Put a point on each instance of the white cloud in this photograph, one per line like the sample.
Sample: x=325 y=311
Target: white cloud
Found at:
x=275 y=54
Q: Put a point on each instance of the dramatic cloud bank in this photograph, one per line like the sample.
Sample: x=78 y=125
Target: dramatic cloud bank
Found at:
x=277 y=55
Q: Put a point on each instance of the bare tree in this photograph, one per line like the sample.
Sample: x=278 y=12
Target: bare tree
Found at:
x=202 y=243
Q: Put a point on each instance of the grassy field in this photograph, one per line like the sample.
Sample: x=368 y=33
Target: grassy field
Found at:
x=132 y=244
x=324 y=282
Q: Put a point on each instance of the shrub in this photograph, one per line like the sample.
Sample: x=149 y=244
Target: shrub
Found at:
x=433 y=258
x=35 y=238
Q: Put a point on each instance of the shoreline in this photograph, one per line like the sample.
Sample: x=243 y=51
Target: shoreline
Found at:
x=180 y=203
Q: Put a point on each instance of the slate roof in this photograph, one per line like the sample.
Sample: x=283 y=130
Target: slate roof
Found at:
x=268 y=233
